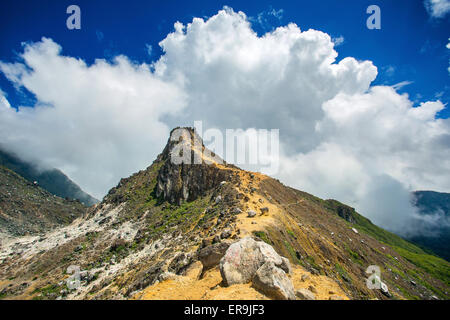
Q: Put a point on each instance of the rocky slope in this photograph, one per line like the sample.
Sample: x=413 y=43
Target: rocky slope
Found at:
x=25 y=208
x=53 y=180
x=171 y=227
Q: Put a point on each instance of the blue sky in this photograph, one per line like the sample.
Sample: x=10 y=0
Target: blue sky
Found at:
x=410 y=46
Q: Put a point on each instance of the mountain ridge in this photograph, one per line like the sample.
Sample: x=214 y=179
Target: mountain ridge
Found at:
x=26 y=208
x=52 y=180
x=147 y=233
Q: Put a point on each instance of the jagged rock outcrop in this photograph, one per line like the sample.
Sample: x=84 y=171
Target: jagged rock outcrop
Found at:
x=342 y=210
x=187 y=181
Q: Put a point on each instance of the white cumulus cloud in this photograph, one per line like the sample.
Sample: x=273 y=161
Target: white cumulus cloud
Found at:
x=96 y=123
x=342 y=138
x=437 y=8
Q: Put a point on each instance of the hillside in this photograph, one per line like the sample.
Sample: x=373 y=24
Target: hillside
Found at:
x=53 y=180
x=25 y=208
x=148 y=237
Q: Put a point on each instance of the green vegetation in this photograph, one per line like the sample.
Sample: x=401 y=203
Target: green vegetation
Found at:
x=434 y=266
x=313 y=263
x=52 y=290
x=291 y=233
x=263 y=236
x=366 y=226
x=342 y=272
x=354 y=256
x=291 y=251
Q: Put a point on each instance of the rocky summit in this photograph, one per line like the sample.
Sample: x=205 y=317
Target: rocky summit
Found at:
x=210 y=230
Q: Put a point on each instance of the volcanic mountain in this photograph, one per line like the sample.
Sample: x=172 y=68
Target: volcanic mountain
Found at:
x=51 y=180
x=160 y=233
x=26 y=208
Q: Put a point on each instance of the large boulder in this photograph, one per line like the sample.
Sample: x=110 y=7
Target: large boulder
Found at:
x=243 y=258
x=274 y=282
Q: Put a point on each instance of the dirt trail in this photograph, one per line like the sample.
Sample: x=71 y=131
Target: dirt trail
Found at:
x=210 y=287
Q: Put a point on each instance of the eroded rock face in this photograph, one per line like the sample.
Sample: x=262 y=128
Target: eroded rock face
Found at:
x=187 y=181
x=274 y=282
x=243 y=259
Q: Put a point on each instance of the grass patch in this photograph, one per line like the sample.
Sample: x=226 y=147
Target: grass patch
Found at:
x=291 y=233
x=342 y=272
x=263 y=236
x=356 y=258
x=51 y=289
x=291 y=251
x=432 y=265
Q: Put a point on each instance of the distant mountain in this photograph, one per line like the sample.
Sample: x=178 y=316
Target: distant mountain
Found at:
x=54 y=181
x=27 y=209
x=431 y=201
x=434 y=208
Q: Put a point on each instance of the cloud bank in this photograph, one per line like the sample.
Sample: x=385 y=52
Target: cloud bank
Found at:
x=341 y=138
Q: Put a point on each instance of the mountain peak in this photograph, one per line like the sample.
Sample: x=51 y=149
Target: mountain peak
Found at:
x=189 y=169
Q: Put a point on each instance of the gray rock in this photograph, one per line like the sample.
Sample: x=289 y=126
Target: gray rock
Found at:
x=286 y=265
x=312 y=289
x=274 y=282
x=243 y=258
x=237 y=211
x=385 y=290
x=166 y=276
x=305 y=294
x=180 y=262
x=211 y=255
x=251 y=213
x=225 y=234
x=241 y=261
